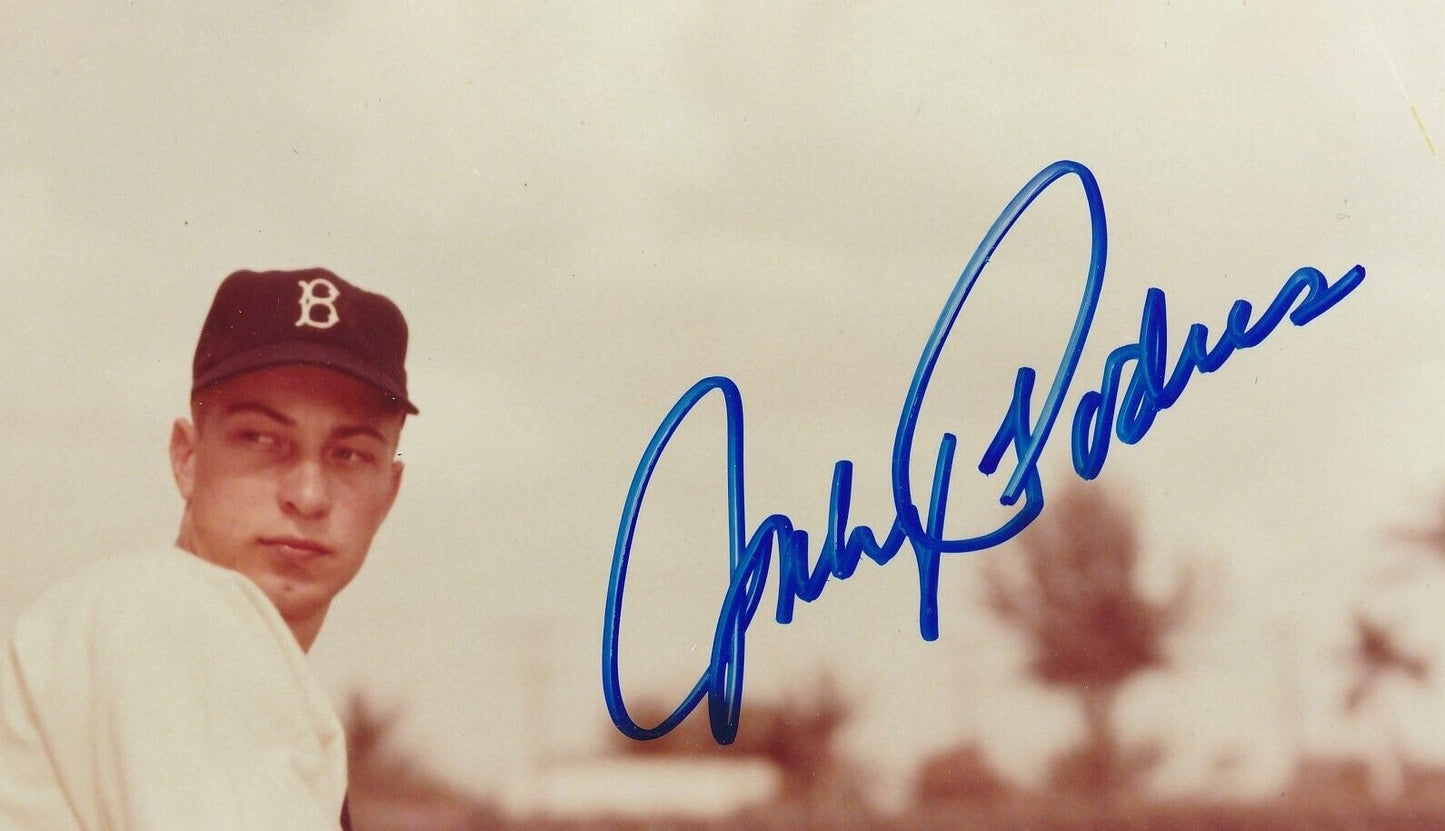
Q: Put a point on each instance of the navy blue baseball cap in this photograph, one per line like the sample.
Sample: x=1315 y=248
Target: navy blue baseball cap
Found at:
x=262 y=319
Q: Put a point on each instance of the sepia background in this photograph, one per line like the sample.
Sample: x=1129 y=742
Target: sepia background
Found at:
x=583 y=209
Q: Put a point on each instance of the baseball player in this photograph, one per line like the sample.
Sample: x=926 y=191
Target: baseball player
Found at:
x=169 y=691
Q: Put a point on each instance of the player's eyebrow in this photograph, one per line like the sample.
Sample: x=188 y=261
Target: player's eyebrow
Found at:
x=350 y=431
x=339 y=434
x=262 y=409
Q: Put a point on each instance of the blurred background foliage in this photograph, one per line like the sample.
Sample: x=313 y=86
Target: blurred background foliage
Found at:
x=1070 y=587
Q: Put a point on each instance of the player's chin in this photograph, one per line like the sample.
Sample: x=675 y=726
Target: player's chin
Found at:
x=310 y=584
x=294 y=595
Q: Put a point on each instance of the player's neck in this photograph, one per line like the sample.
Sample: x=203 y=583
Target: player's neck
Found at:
x=305 y=629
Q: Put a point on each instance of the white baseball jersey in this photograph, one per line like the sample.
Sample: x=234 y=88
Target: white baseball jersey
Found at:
x=163 y=693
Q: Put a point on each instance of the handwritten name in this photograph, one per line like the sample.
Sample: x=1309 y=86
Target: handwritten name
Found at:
x=1102 y=412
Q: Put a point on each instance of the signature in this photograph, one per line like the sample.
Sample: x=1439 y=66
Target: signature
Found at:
x=1102 y=412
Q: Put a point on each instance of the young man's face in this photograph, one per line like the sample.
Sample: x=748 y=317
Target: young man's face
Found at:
x=287 y=474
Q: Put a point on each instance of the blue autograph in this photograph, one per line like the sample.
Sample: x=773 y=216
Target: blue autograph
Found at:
x=1100 y=412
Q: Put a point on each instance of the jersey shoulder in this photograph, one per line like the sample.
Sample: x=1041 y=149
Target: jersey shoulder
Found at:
x=148 y=600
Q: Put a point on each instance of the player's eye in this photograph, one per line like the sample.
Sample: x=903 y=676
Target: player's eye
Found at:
x=350 y=455
x=259 y=441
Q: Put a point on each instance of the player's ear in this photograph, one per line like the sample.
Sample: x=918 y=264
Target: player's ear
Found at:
x=183 y=456
x=396 y=469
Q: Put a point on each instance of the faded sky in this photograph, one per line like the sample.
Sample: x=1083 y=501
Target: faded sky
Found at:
x=582 y=210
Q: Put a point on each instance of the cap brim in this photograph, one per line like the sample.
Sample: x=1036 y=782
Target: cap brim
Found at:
x=303 y=352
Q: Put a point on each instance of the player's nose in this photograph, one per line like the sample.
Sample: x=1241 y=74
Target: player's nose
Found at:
x=305 y=489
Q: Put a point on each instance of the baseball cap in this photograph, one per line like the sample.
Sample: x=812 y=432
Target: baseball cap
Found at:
x=261 y=319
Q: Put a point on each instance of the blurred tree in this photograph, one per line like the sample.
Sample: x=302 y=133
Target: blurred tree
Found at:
x=1431 y=537
x=1377 y=657
x=1428 y=537
x=961 y=774
x=375 y=763
x=1072 y=590
x=389 y=790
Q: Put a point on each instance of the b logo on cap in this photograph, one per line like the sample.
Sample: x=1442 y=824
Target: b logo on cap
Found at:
x=310 y=299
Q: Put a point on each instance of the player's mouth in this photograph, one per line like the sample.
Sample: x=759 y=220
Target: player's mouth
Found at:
x=296 y=550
